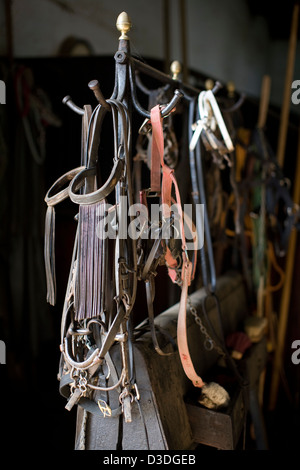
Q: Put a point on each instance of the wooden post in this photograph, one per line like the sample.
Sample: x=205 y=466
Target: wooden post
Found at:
x=264 y=101
x=262 y=118
x=287 y=87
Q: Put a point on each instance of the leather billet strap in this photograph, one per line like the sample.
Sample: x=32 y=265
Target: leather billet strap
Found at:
x=182 y=340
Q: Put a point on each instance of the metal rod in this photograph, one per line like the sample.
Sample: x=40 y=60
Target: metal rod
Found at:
x=164 y=78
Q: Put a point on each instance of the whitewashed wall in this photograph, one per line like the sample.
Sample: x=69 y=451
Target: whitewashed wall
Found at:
x=224 y=40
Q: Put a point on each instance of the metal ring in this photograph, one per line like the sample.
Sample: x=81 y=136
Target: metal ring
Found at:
x=79 y=332
x=208 y=344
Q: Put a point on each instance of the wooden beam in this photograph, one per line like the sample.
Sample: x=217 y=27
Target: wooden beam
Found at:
x=262 y=119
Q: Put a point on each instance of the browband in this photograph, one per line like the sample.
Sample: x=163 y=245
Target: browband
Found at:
x=99 y=194
x=53 y=199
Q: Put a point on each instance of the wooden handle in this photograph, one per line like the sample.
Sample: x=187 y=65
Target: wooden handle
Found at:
x=264 y=101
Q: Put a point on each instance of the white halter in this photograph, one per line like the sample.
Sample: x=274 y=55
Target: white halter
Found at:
x=210 y=118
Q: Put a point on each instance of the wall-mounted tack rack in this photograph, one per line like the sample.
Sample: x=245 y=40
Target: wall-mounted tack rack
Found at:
x=128 y=72
x=132 y=260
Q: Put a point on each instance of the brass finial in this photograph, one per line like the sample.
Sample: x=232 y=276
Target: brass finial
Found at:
x=175 y=69
x=123 y=25
x=209 y=84
x=230 y=89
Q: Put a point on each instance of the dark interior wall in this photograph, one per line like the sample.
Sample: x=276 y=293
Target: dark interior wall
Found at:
x=29 y=326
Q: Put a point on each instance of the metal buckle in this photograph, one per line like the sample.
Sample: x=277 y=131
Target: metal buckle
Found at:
x=150 y=193
x=146 y=126
x=104 y=408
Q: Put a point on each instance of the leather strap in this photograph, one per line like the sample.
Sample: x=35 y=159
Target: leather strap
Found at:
x=168 y=180
x=54 y=195
x=99 y=194
x=182 y=341
x=155 y=174
x=89 y=174
x=86 y=403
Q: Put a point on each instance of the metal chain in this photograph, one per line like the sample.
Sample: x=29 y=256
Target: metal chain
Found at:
x=209 y=343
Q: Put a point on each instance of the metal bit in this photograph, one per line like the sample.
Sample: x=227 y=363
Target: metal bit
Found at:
x=74 y=399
